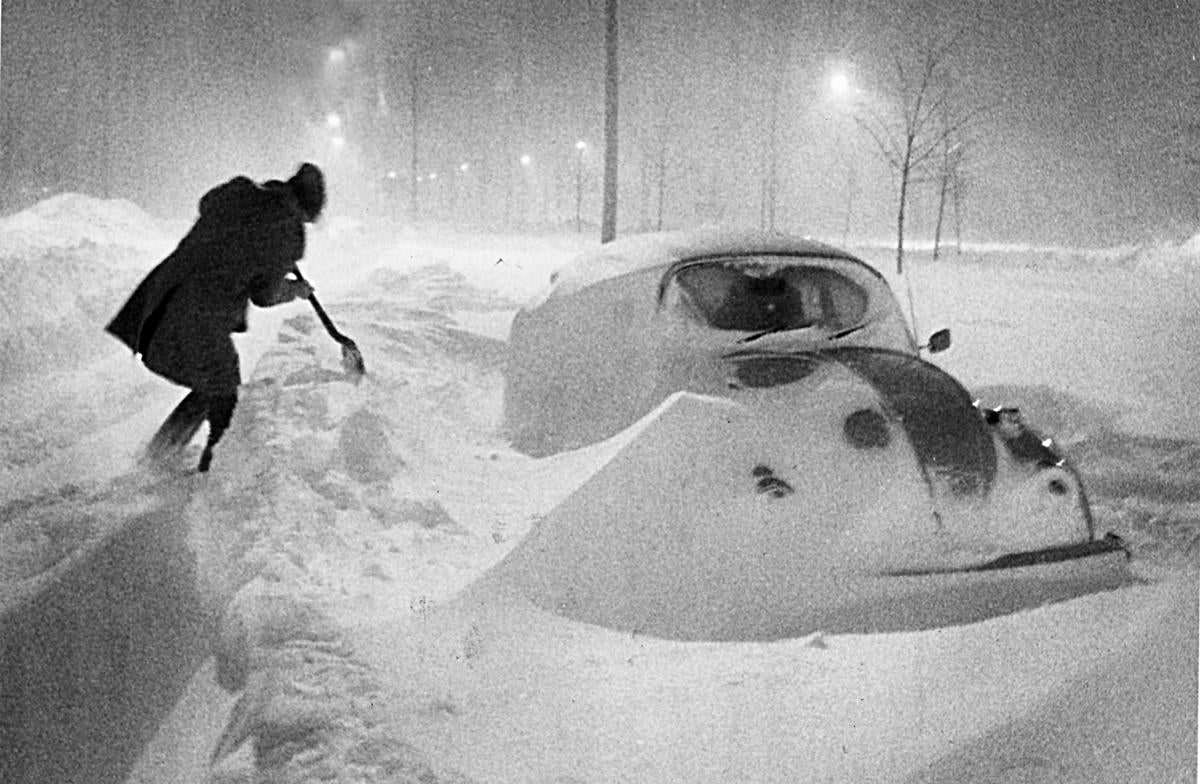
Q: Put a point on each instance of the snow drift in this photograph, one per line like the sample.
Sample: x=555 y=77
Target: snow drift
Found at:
x=373 y=506
x=715 y=522
x=67 y=263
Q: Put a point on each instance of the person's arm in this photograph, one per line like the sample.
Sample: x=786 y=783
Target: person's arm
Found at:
x=278 y=292
x=283 y=248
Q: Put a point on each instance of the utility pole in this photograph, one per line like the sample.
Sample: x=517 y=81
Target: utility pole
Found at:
x=414 y=77
x=608 y=223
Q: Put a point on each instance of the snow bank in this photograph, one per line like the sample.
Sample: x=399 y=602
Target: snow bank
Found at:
x=1166 y=257
x=71 y=219
x=66 y=265
x=1158 y=257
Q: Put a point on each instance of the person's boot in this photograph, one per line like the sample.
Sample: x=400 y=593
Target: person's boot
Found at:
x=220 y=413
x=178 y=429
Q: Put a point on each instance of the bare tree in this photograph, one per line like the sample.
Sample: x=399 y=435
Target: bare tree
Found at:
x=1184 y=149
x=1191 y=160
x=661 y=180
x=957 y=187
x=777 y=53
x=949 y=171
x=771 y=179
x=655 y=161
x=650 y=59
x=914 y=120
x=657 y=164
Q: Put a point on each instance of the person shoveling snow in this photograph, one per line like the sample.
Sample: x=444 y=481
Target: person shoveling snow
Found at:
x=243 y=248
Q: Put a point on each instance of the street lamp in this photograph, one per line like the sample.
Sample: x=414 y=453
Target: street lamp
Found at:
x=839 y=84
x=459 y=184
x=520 y=201
x=333 y=120
x=842 y=93
x=581 y=146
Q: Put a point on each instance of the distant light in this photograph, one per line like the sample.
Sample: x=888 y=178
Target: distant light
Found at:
x=337 y=55
x=420 y=178
x=333 y=120
x=581 y=145
x=462 y=167
x=433 y=175
x=391 y=175
x=526 y=160
x=839 y=83
x=338 y=142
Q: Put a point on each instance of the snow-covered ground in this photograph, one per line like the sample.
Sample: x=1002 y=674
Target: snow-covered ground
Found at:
x=351 y=515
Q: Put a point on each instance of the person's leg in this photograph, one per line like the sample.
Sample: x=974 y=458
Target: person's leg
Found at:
x=220 y=413
x=179 y=427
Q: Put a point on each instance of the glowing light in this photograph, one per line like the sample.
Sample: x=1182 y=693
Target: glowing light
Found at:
x=526 y=160
x=462 y=167
x=337 y=55
x=433 y=175
x=333 y=120
x=338 y=142
x=839 y=83
x=391 y=175
x=581 y=145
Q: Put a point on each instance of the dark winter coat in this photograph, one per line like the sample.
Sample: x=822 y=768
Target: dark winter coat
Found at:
x=247 y=239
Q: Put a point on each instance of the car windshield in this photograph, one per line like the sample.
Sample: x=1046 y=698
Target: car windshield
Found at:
x=767 y=294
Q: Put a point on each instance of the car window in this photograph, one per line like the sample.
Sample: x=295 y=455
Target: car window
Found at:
x=761 y=294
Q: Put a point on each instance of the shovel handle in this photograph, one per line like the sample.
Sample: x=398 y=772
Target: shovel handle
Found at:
x=329 y=327
x=352 y=358
x=323 y=316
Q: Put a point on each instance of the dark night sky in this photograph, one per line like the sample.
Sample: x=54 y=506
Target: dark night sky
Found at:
x=155 y=100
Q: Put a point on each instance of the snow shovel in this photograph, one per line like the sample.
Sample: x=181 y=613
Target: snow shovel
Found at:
x=352 y=358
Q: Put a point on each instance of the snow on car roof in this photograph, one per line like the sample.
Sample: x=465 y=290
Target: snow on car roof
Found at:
x=646 y=251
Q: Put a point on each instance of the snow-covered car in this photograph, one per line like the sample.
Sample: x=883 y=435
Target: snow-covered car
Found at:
x=771 y=384
x=623 y=326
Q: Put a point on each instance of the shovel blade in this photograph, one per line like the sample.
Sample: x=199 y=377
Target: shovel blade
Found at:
x=352 y=360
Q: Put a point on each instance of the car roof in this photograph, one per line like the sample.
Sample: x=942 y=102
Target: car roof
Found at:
x=661 y=249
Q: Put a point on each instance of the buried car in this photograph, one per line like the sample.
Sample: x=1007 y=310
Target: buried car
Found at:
x=789 y=461
x=623 y=326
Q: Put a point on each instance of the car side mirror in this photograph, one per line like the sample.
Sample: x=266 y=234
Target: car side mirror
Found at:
x=938 y=341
